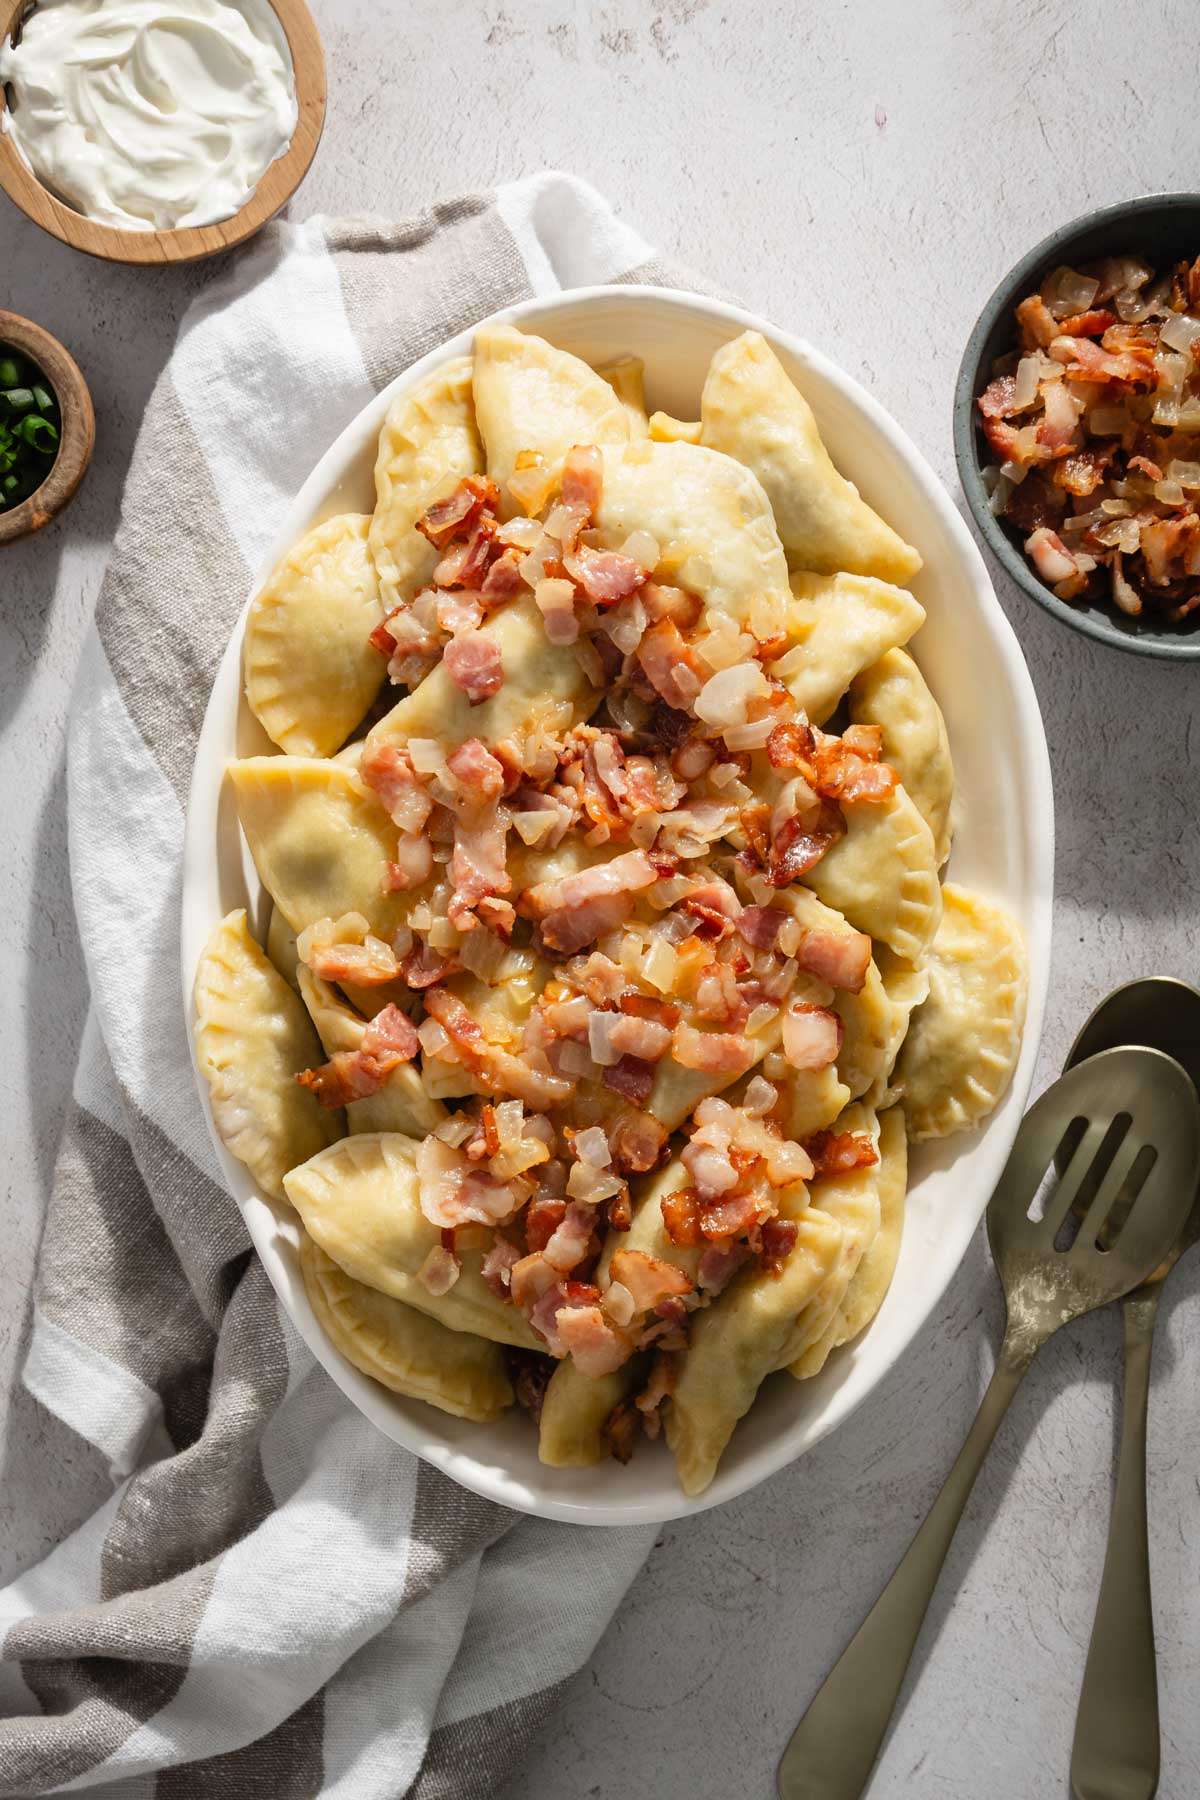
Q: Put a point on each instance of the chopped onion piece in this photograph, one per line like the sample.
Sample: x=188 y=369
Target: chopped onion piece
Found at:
x=761 y=1016
x=626 y=625
x=1187 y=474
x=642 y=549
x=1169 y=492
x=661 y=965
x=426 y=756
x=592 y=1147
x=523 y=1156
x=791 y=661
x=510 y=1123
x=440 y=1270
x=1065 y=291
x=759 y=1097
x=723 y=699
x=434 y=1041
x=1025 y=387
x=600 y=1026
x=618 y=1303
x=532 y=827
x=592 y=1185
x=455 y=1130
x=750 y=736
x=522 y=533
x=482 y=952
x=573 y=1059
x=1179 y=332
x=588 y=659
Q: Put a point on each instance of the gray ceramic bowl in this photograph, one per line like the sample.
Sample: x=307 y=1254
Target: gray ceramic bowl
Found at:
x=1161 y=227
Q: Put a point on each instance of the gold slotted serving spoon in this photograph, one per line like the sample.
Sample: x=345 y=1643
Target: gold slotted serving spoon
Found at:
x=1115 y=1755
x=1124 y=1127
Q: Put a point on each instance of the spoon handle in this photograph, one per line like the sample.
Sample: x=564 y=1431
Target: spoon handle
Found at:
x=1115 y=1754
x=833 y=1749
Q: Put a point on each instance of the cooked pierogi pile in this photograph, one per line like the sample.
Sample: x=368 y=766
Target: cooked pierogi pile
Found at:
x=611 y=970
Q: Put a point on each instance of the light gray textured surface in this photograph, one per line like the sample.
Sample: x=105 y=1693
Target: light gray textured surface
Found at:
x=864 y=176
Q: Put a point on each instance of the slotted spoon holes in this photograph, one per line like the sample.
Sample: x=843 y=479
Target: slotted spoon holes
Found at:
x=1088 y=1190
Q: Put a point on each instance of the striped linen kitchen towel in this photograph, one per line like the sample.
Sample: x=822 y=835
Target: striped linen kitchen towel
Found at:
x=275 y=1600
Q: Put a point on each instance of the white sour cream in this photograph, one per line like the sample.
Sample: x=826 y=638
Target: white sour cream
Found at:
x=150 y=114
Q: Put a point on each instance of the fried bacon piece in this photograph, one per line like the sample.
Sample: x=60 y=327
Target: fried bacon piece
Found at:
x=712 y=1052
x=777 y=1240
x=645 y=1039
x=388 y=1041
x=478 y=866
x=797 y=848
x=479 y=773
x=388 y=772
x=837 y=1152
x=574 y=910
x=812 y=1036
x=459 y=510
x=583 y=478
x=366 y=964
x=648 y=1006
x=594 y=1345
x=716 y=908
x=838 y=957
x=719 y=1264
x=637 y=1142
x=474 y=664
x=681 y=1217
x=670 y=666
x=605 y=576
x=503 y=578
x=516 y=1075
x=648 y=1278
x=542 y=1218
x=632 y=1078
x=424 y=967
x=730 y=1216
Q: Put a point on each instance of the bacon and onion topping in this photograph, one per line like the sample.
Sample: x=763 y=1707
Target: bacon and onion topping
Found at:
x=1093 y=423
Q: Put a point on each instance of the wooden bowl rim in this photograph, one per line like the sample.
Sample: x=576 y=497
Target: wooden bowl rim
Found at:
x=78 y=426
x=189 y=243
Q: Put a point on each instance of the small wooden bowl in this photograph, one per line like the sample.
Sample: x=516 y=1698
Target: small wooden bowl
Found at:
x=279 y=182
x=78 y=426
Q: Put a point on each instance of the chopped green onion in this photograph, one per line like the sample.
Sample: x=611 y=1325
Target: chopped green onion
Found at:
x=29 y=429
x=38 y=433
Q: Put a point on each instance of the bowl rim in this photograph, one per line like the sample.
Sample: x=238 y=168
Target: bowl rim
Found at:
x=189 y=243
x=472 y=1471
x=78 y=426
x=1101 y=628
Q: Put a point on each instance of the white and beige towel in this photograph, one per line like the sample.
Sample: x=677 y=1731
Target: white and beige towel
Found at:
x=276 y=1599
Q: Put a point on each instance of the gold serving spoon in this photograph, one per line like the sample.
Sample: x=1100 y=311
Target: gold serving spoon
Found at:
x=1122 y=1128
x=1116 y=1751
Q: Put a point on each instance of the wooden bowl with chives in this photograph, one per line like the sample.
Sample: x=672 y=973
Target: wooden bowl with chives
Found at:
x=40 y=387
x=189 y=243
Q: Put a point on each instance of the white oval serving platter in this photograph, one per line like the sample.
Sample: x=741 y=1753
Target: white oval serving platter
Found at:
x=1004 y=845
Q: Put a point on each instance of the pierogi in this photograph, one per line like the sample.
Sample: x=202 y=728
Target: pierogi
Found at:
x=610 y=967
